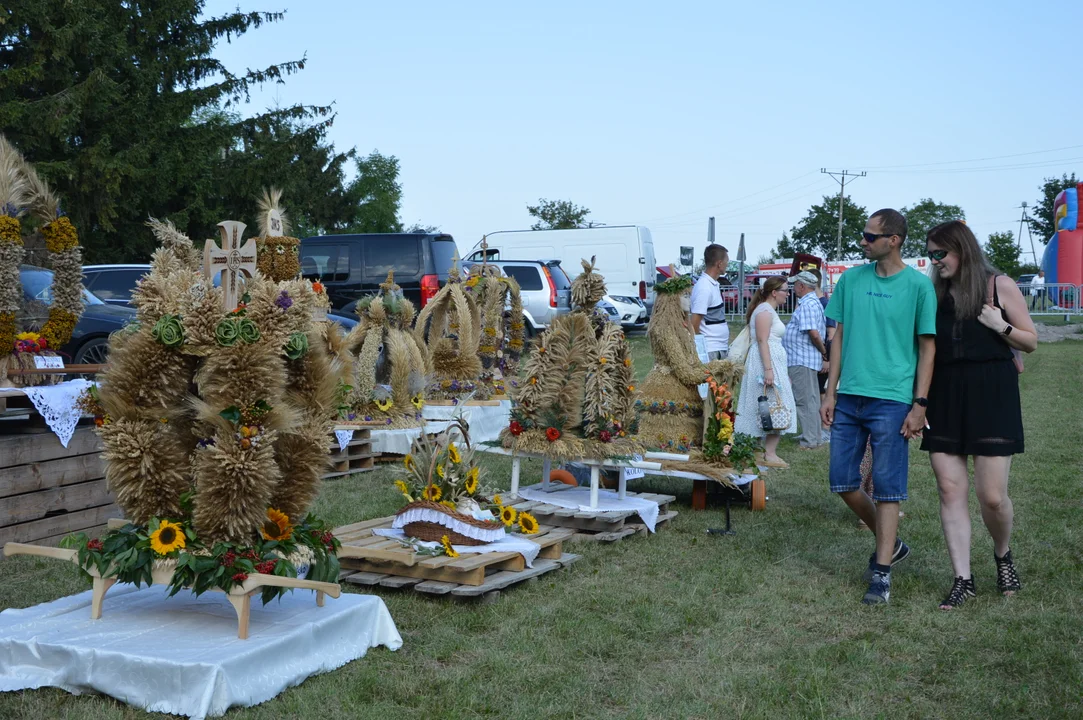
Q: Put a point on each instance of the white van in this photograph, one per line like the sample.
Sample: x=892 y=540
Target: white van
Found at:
x=624 y=254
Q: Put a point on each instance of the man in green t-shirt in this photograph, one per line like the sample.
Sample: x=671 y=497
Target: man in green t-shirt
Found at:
x=881 y=367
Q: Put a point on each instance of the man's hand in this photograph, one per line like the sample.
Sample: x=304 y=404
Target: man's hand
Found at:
x=826 y=366
x=914 y=424
x=827 y=409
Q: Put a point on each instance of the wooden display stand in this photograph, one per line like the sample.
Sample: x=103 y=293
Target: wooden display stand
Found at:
x=239 y=597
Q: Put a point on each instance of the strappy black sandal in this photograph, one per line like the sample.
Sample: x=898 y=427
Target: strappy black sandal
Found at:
x=961 y=591
x=1007 y=578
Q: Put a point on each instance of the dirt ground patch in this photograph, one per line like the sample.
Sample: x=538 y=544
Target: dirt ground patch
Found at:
x=1056 y=333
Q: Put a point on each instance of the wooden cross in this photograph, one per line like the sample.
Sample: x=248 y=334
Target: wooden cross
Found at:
x=232 y=260
x=484 y=253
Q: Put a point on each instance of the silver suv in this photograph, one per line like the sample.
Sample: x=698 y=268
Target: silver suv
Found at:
x=545 y=289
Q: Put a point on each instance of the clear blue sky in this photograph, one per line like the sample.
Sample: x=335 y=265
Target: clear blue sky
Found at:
x=662 y=114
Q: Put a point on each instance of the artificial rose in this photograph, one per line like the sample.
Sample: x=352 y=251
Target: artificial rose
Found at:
x=168 y=331
x=552 y=434
x=515 y=428
x=248 y=331
x=605 y=436
x=227 y=332
x=297 y=346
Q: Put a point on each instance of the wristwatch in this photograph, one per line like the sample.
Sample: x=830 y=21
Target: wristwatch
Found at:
x=924 y=402
x=1006 y=331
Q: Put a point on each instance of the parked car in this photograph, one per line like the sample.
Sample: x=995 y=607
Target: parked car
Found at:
x=631 y=311
x=545 y=289
x=350 y=266
x=116 y=283
x=624 y=254
x=89 y=342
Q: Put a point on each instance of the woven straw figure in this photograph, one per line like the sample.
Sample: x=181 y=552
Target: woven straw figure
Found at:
x=253 y=435
x=501 y=338
x=449 y=329
x=670 y=406
x=576 y=394
x=276 y=253
x=31 y=327
x=388 y=381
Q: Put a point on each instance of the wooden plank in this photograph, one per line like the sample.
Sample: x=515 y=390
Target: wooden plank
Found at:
x=365 y=578
x=59 y=525
x=24 y=449
x=54 y=540
x=395 y=581
x=472 y=577
x=51 y=473
x=72 y=498
x=376 y=522
x=606 y=537
x=499 y=581
x=433 y=587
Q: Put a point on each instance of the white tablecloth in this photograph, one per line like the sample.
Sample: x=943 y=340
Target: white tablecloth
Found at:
x=181 y=655
x=58 y=405
x=579 y=498
x=486 y=421
x=509 y=543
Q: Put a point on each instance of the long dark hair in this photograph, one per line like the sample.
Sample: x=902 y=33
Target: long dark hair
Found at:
x=772 y=284
x=971 y=281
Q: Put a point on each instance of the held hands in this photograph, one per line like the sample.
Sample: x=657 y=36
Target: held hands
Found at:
x=992 y=318
x=914 y=424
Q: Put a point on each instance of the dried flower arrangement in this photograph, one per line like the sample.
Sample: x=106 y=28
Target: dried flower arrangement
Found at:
x=501 y=336
x=575 y=397
x=232 y=463
x=387 y=386
x=21 y=188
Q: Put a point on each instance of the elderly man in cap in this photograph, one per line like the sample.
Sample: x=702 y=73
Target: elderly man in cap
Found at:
x=807 y=356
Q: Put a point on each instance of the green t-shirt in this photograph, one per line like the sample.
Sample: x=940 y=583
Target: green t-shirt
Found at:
x=881 y=319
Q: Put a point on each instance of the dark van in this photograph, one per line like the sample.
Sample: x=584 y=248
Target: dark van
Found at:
x=350 y=266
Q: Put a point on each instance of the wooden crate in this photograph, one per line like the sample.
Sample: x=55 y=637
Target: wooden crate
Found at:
x=356 y=457
x=47 y=490
x=387 y=563
x=608 y=526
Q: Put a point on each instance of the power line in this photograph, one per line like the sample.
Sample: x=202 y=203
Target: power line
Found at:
x=960 y=162
x=730 y=201
x=841 y=178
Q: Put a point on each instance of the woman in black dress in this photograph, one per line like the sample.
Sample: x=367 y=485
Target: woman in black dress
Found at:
x=974 y=399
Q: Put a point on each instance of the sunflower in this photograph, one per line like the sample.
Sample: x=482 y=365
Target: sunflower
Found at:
x=384 y=404
x=433 y=493
x=527 y=523
x=277 y=526
x=471 y=484
x=404 y=489
x=453 y=453
x=448 y=550
x=440 y=471
x=448 y=504
x=497 y=500
x=508 y=515
x=408 y=462
x=167 y=538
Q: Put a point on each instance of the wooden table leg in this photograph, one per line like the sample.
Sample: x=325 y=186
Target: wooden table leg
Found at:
x=699 y=494
x=101 y=586
x=243 y=605
x=319 y=598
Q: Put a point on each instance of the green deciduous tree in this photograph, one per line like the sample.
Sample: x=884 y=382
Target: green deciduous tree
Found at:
x=1003 y=252
x=920 y=218
x=817 y=233
x=557 y=215
x=379 y=194
x=124 y=109
x=1041 y=215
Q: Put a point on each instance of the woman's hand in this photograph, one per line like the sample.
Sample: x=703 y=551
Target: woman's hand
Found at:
x=769 y=376
x=992 y=318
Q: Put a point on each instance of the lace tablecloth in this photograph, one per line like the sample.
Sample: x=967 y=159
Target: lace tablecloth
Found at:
x=58 y=405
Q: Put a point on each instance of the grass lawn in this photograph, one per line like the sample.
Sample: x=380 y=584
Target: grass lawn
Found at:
x=767 y=623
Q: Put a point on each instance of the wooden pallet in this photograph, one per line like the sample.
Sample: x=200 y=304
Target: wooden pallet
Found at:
x=48 y=491
x=357 y=456
x=608 y=526
x=369 y=559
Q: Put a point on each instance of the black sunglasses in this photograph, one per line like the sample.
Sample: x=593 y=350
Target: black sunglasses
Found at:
x=870 y=238
x=938 y=255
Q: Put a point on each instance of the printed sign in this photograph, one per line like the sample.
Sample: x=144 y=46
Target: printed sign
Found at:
x=48 y=362
x=632 y=473
x=687 y=256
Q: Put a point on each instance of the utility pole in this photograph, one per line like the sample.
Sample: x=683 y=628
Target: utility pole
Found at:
x=710 y=231
x=1025 y=221
x=841 y=178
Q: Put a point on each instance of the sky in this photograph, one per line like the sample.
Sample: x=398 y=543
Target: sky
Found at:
x=663 y=114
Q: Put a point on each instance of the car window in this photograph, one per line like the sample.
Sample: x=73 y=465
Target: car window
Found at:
x=560 y=278
x=325 y=262
x=528 y=276
x=443 y=252
x=383 y=254
x=38 y=285
x=116 y=284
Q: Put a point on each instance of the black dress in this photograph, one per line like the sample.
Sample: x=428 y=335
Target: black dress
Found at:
x=974 y=397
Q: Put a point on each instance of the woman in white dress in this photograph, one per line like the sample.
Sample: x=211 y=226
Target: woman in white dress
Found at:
x=766 y=365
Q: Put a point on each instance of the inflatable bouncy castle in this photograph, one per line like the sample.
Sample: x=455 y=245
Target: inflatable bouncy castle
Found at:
x=1063 y=258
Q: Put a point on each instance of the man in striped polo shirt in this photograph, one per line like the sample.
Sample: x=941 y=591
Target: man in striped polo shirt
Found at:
x=806 y=356
x=708 y=311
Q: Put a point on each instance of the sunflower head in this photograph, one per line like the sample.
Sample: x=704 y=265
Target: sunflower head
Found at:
x=433 y=493
x=277 y=526
x=527 y=523
x=440 y=471
x=497 y=500
x=408 y=462
x=168 y=537
x=471 y=484
x=453 y=454
x=448 y=550
x=448 y=504
x=508 y=515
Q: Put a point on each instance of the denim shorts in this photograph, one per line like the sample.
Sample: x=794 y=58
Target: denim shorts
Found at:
x=859 y=420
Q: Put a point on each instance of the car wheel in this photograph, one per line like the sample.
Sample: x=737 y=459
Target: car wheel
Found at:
x=528 y=330
x=93 y=352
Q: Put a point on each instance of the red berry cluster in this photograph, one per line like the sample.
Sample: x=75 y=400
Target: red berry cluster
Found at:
x=228 y=559
x=250 y=555
x=240 y=577
x=267 y=567
x=95 y=545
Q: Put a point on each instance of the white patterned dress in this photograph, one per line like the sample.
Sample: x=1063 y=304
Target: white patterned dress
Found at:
x=748 y=413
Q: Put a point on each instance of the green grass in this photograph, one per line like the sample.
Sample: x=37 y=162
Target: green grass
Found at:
x=767 y=623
